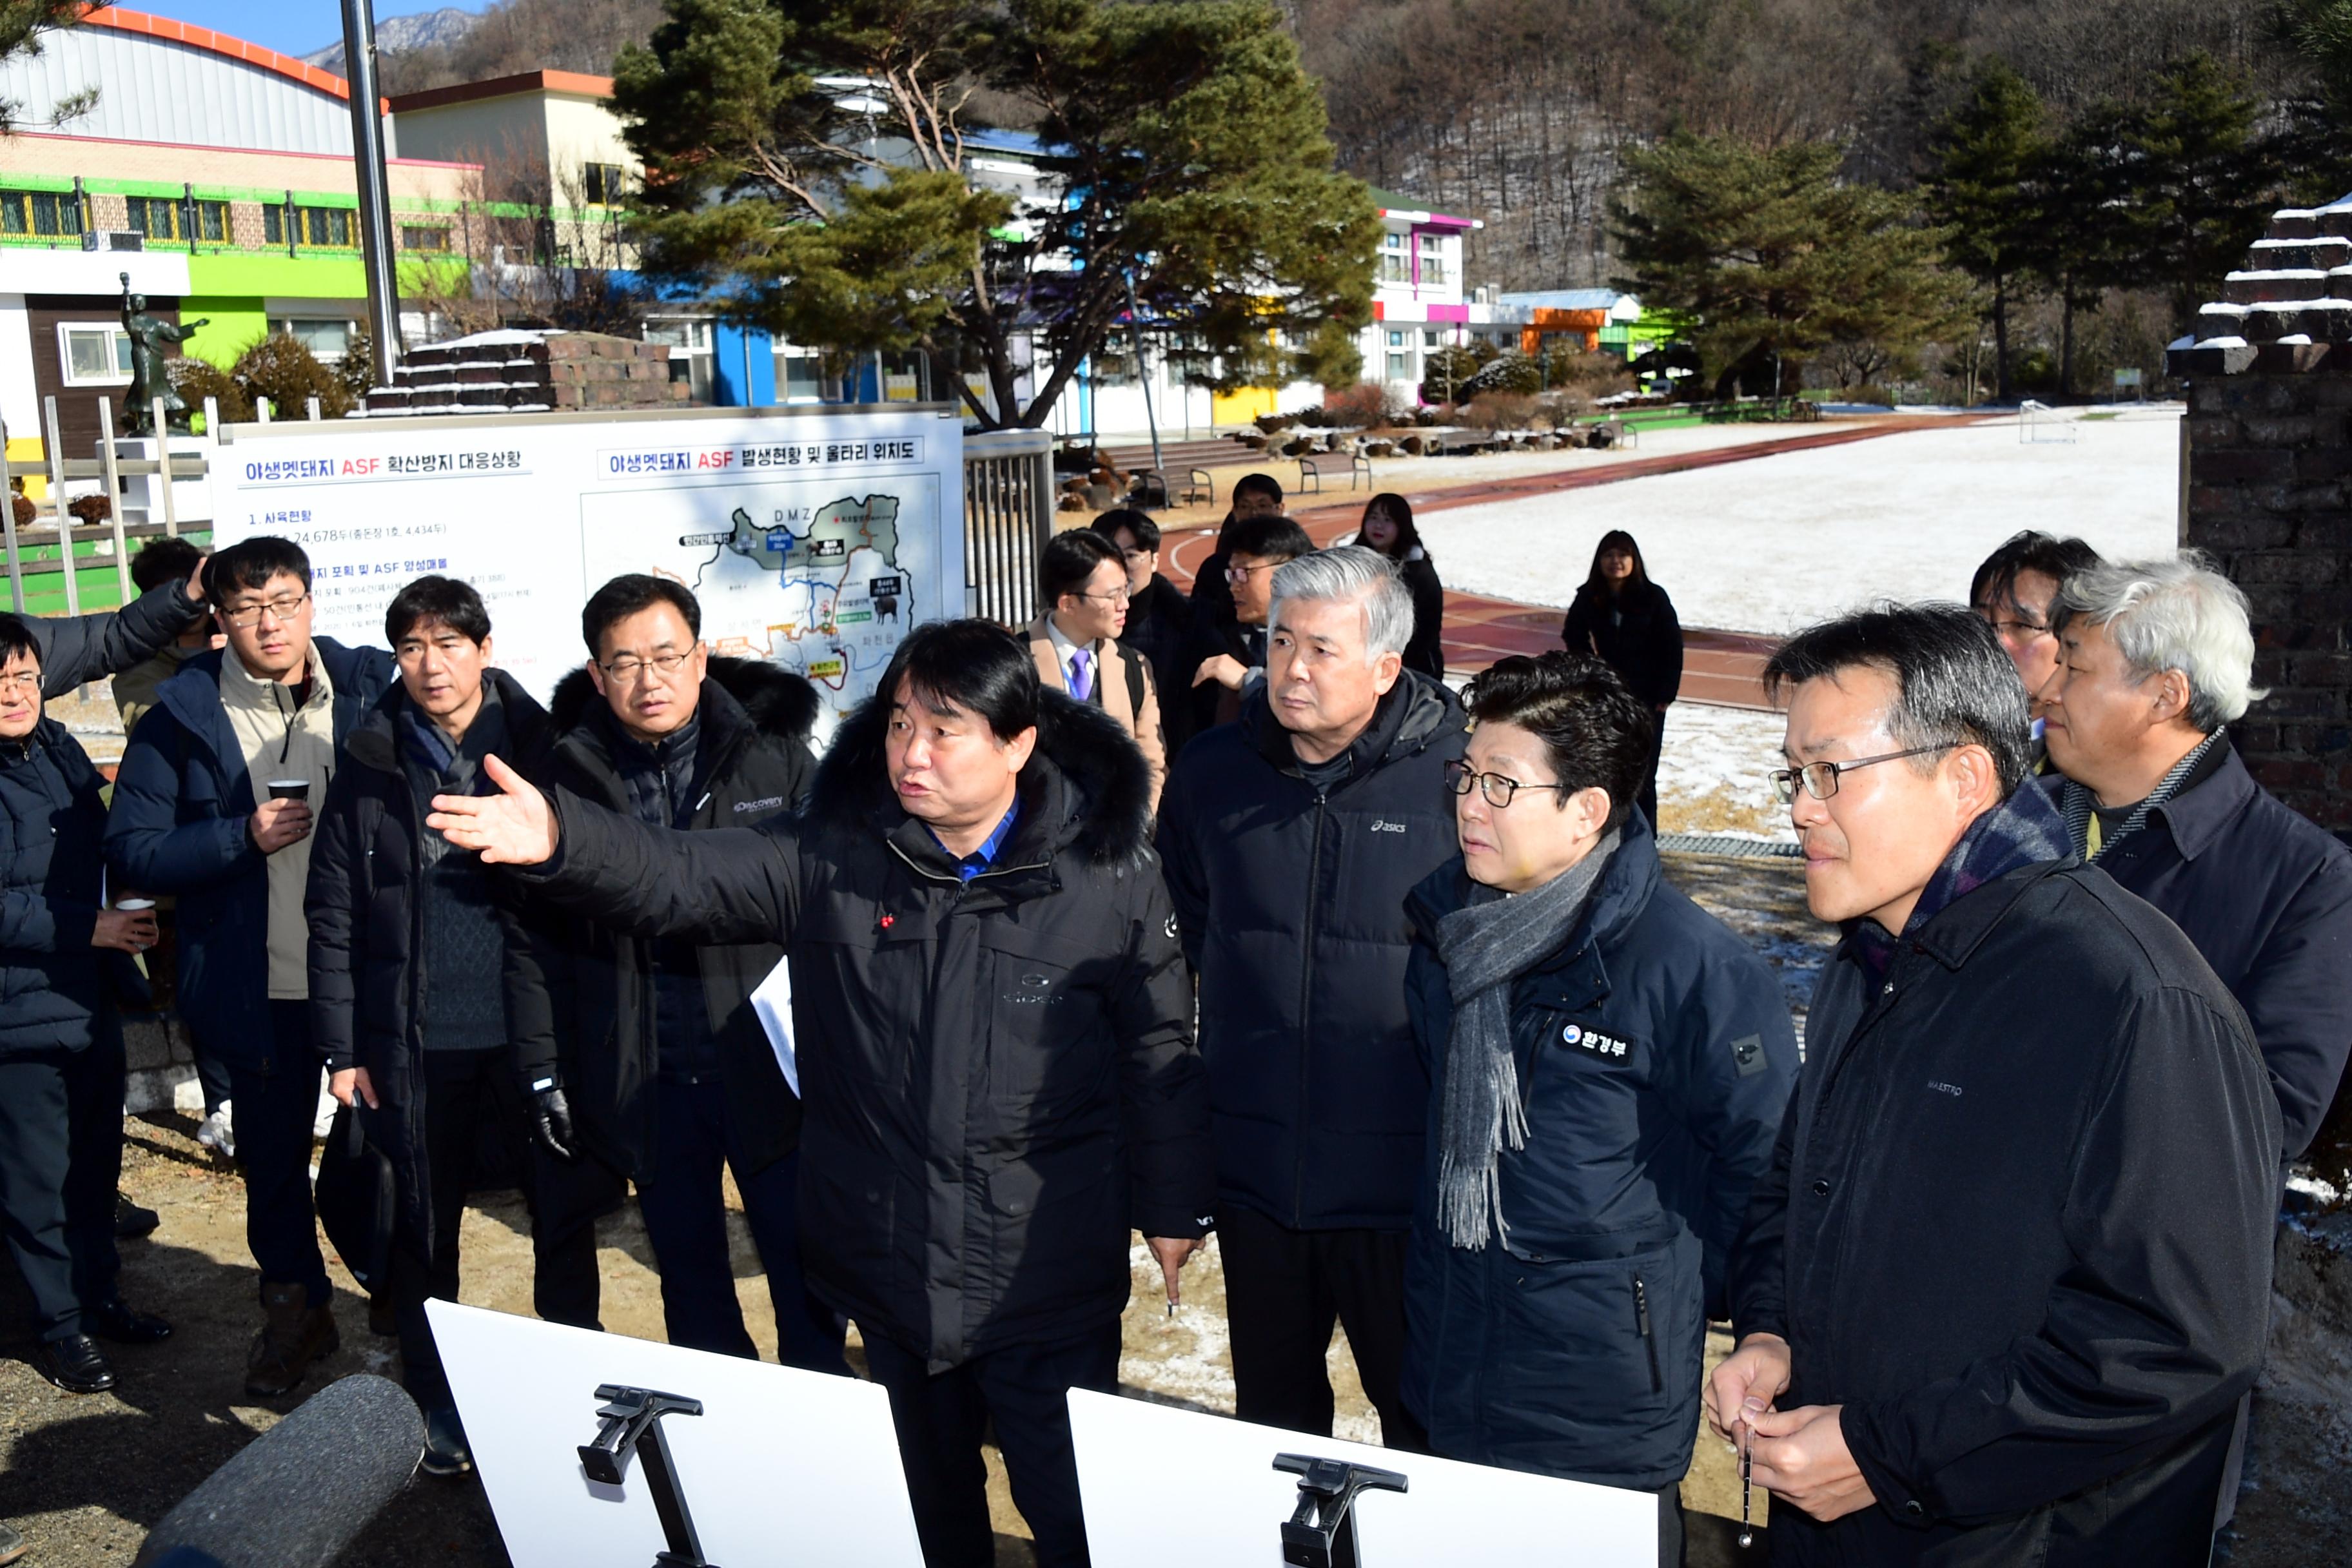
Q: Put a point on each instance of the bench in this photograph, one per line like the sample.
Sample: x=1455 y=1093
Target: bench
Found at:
x=1313 y=466
x=1148 y=488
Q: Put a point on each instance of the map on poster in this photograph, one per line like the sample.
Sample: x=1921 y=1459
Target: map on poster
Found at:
x=811 y=538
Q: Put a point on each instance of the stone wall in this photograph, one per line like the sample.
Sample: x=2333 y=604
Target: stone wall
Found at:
x=525 y=370
x=163 y=1069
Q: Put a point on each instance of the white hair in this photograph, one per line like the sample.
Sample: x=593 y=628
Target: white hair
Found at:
x=2172 y=613
x=1350 y=571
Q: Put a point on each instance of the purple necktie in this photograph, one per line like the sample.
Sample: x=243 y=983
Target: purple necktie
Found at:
x=1082 y=675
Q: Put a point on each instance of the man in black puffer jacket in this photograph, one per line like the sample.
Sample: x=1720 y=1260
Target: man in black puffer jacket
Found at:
x=416 y=958
x=1291 y=840
x=652 y=1047
x=996 y=1056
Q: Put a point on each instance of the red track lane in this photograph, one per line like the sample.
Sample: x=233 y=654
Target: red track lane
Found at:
x=1722 y=668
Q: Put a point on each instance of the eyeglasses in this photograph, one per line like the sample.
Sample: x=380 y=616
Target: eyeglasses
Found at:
x=281 y=608
x=1497 y=789
x=2019 y=631
x=1820 y=779
x=1244 y=573
x=1119 y=595
x=27 y=681
x=629 y=671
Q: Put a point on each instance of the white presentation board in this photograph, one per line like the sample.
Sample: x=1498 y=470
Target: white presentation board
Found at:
x=782 y=1467
x=813 y=537
x=1137 y=1460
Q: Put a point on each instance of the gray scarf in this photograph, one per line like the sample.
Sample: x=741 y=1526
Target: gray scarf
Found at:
x=2076 y=802
x=1485 y=944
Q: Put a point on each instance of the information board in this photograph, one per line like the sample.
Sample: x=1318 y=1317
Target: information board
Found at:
x=812 y=537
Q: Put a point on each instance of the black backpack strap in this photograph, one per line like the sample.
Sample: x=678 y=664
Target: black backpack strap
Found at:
x=1138 y=679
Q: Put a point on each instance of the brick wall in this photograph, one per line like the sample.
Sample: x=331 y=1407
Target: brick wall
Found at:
x=2270 y=494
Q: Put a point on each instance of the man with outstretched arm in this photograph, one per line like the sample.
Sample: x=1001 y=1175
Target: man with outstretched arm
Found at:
x=995 y=1038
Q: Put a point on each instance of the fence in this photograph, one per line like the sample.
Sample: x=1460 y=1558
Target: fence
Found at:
x=52 y=521
x=1008 y=515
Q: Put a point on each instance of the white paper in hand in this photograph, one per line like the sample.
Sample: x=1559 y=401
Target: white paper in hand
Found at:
x=774 y=1003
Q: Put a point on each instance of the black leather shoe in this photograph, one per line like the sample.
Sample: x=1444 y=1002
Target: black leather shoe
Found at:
x=131 y=1222
x=76 y=1364
x=115 y=1321
x=445 y=1453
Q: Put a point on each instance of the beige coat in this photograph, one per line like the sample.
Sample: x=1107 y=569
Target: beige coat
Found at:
x=1112 y=663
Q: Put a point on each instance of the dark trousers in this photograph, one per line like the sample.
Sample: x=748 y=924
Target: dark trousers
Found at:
x=1648 y=799
x=272 y=1110
x=685 y=1219
x=464 y=1090
x=1285 y=1290
x=570 y=1197
x=61 y=1154
x=1023 y=1390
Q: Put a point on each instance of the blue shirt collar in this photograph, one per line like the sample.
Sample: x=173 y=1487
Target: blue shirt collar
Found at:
x=981 y=858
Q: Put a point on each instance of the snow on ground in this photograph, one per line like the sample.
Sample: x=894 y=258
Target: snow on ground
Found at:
x=1771 y=543
x=1711 y=776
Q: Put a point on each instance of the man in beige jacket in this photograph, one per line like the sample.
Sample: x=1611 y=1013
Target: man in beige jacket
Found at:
x=1074 y=642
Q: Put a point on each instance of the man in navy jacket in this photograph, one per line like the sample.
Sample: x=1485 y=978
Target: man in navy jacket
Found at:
x=212 y=804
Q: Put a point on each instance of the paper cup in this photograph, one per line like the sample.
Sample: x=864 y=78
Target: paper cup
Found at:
x=134 y=905
x=289 y=789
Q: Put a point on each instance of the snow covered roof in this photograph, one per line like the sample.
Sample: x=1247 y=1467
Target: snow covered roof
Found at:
x=2288 y=309
x=1620 y=306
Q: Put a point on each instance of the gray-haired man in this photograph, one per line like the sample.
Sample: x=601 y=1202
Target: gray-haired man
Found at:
x=1290 y=839
x=2157 y=656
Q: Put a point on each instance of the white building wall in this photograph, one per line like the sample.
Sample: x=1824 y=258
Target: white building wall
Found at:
x=152 y=90
x=18 y=404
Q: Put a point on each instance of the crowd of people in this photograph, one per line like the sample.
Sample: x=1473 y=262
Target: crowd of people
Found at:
x=1228 y=913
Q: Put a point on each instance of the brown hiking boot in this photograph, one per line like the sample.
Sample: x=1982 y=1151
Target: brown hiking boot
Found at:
x=293 y=1335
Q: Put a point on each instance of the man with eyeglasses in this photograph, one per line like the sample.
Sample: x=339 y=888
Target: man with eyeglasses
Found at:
x=1075 y=641
x=2016 y=591
x=644 y=1056
x=1290 y=841
x=2009 y=1271
x=212 y=804
x=1229 y=638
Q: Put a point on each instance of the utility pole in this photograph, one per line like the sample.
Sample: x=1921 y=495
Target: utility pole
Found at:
x=375 y=195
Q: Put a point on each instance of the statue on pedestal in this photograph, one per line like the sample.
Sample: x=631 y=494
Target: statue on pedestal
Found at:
x=149 y=378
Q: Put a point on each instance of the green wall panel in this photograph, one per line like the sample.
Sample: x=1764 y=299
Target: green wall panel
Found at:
x=235 y=324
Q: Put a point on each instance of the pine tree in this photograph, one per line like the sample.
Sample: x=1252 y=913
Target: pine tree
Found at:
x=1980 y=186
x=2094 y=235
x=2204 y=183
x=22 y=23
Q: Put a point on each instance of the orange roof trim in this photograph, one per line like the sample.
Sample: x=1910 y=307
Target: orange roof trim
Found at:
x=206 y=38
x=506 y=86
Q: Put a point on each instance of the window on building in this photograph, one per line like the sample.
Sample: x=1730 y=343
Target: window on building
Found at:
x=93 y=353
x=1433 y=259
x=327 y=337
x=688 y=338
x=309 y=226
x=1399 y=367
x=177 y=217
x=800 y=374
x=423 y=237
x=40 y=211
x=605 y=184
x=1396 y=265
x=1433 y=338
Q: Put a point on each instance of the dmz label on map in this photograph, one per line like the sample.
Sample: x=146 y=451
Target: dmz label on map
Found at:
x=1607 y=1047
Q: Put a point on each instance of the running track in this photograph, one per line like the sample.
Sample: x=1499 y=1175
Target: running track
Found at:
x=1722 y=668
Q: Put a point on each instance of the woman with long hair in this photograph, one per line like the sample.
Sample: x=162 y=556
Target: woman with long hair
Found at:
x=1388 y=527
x=1626 y=619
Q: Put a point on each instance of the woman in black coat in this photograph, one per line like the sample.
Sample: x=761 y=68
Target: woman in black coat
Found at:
x=1388 y=527
x=1630 y=623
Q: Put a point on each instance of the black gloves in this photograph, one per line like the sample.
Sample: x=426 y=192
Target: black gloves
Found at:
x=551 y=1119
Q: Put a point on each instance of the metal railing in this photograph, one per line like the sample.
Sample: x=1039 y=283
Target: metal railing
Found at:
x=53 y=518
x=1008 y=515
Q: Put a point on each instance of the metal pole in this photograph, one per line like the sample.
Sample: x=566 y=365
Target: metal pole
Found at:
x=1142 y=377
x=57 y=499
x=376 y=198
x=113 y=481
x=164 y=474
x=16 y=562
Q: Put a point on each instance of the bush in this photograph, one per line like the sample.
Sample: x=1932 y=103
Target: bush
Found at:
x=357 y=371
x=196 y=379
x=1365 y=405
x=283 y=371
x=1499 y=411
x=1446 y=372
x=1508 y=371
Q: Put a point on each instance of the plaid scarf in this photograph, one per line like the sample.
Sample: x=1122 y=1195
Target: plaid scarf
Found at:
x=2077 y=803
x=2023 y=830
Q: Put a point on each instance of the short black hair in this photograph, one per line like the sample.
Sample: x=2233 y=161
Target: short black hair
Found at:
x=162 y=561
x=17 y=637
x=1145 y=531
x=1270 y=539
x=2028 y=550
x=626 y=595
x=1265 y=485
x=434 y=597
x=1069 y=559
x=251 y=565
x=1596 y=734
x=973 y=665
x=1953 y=684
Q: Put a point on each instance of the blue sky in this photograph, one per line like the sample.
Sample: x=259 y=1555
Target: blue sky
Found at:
x=290 y=27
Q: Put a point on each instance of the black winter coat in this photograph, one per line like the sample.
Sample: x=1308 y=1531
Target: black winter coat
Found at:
x=1634 y=633
x=997 y=1076
x=592 y=1003
x=181 y=798
x=366 y=906
x=52 y=982
x=2267 y=898
x=2018 y=1222
x=1160 y=627
x=1655 y=1060
x=1426 y=651
x=1292 y=903
x=76 y=648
